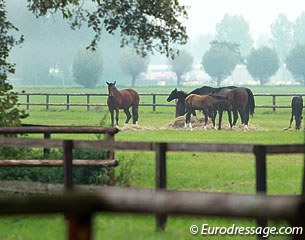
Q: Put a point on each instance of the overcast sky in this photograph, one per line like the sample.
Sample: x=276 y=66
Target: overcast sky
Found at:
x=204 y=14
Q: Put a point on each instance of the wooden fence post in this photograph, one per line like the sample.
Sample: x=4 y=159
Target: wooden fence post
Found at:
x=110 y=155
x=273 y=103
x=28 y=101
x=47 y=101
x=154 y=102
x=79 y=226
x=68 y=158
x=68 y=102
x=46 y=151
x=88 y=102
x=261 y=179
x=161 y=179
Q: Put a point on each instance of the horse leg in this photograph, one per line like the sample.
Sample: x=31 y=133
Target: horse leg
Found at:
x=243 y=118
x=230 y=119
x=117 y=117
x=135 y=115
x=188 y=120
x=128 y=115
x=112 y=117
x=206 y=117
x=213 y=119
x=235 y=117
x=220 y=119
x=291 y=119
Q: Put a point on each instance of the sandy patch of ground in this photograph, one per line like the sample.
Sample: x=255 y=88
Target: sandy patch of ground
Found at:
x=179 y=122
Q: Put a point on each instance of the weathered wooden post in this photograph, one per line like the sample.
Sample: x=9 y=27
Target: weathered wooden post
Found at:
x=28 y=101
x=88 y=102
x=79 y=225
x=154 y=102
x=47 y=101
x=161 y=178
x=110 y=155
x=46 y=151
x=68 y=102
x=273 y=103
x=261 y=179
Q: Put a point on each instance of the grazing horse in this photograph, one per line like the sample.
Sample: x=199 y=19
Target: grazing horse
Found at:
x=297 y=108
x=209 y=104
x=123 y=99
x=242 y=101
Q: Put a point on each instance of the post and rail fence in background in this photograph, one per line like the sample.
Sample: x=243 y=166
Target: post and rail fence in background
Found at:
x=88 y=104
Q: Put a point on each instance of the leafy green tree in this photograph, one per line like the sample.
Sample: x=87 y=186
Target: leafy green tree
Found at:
x=235 y=29
x=87 y=68
x=147 y=25
x=281 y=32
x=132 y=64
x=10 y=115
x=181 y=64
x=299 y=30
x=295 y=62
x=220 y=60
x=262 y=63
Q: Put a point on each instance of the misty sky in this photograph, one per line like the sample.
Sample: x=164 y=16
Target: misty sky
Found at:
x=204 y=14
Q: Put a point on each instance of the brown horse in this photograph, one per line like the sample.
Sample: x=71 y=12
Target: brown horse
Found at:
x=123 y=99
x=210 y=105
x=242 y=101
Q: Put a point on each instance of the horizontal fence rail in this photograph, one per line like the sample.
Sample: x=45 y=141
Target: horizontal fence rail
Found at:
x=164 y=202
x=88 y=103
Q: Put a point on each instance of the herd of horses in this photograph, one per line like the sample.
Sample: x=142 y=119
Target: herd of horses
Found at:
x=209 y=100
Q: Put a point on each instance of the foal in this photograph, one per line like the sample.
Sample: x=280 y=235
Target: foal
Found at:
x=210 y=105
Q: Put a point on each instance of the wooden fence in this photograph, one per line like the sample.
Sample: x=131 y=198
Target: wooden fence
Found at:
x=88 y=104
x=161 y=201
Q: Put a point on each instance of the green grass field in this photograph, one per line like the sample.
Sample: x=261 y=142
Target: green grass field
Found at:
x=216 y=172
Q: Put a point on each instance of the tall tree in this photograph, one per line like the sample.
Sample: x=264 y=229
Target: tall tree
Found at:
x=262 y=63
x=299 y=30
x=235 y=29
x=295 y=62
x=281 y=33
x=87 y=68
x=132 y=64
x=220 y=60
x=147 y=25
x=181 y=64
x=10 y=115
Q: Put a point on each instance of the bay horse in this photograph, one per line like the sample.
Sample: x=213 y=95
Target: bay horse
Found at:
x=296 y=111
x=242 y=101
x=181 y=95
x=123 y=99
x=210 y=105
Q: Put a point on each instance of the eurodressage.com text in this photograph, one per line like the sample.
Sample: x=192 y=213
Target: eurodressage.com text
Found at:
x=206 y=230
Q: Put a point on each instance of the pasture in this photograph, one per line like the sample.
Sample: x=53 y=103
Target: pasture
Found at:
x=217 y=172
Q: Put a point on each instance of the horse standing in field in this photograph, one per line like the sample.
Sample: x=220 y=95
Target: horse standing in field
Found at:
x=242 y=101
x=297 y=108
x=123 y=99
x=210 y=105
x=180 y=105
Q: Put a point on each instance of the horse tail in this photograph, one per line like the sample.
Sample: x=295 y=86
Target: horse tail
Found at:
x=251 y=102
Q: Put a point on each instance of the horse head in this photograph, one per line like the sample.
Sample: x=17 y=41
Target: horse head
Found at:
x=111 y=88
x=172 y=95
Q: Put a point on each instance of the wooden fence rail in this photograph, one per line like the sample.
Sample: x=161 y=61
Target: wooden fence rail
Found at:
x=88 y=104
x=260 y=152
